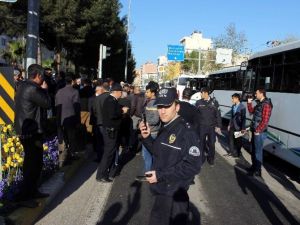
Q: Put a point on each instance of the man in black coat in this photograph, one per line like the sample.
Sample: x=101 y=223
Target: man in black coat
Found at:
x=31 y=100
x=97 y=112
x=112 y=117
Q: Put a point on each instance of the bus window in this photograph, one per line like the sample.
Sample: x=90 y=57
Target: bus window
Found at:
x=291 y=79
x=248 y=83
x=277 y=78
x=182 y=81
x=264 y=77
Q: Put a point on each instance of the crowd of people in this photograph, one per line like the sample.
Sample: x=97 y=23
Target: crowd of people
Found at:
x=175 y=137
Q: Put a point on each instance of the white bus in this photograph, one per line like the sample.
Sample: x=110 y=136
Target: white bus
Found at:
x=195 y=82
x=278 y=71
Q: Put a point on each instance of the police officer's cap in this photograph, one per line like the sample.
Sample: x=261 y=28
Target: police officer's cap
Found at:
x=116 y=87
x=166 y=97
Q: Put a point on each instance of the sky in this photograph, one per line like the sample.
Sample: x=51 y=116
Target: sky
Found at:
x=156 y=23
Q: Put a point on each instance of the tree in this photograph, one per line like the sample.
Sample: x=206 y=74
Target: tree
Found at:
x=172 y=71
x=207 y=63
x=232 y=39
x=190 y=64
x=14 y=53
x=13 y=18
x=77 y=28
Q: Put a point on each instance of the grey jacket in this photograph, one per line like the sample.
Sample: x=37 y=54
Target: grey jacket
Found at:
x=66 y=101
x=152 y=116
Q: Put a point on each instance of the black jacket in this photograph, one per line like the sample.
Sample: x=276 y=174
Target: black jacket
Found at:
x=189 y=113
x=209 y=113
x=31 y=101
x=85 y=93
x=176 y=157
x=112 y=113
x=97 y=107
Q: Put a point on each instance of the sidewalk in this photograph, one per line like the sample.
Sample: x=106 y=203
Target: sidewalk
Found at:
x=25 y=216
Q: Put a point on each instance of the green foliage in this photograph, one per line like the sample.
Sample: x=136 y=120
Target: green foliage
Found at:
x=78 y=27
x=15 y=51
x=207 y=63
x=190 y=64
x=48 y=63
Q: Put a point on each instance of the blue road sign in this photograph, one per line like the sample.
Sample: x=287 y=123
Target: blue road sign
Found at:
x=176 y=53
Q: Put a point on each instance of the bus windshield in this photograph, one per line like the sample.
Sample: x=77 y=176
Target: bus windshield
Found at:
x=183 y=81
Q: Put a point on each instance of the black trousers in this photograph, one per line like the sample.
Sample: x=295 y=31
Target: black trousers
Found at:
x=32 y=166
x=235 y=144
x=98 y=142
x=208 y=140
x=109 y=153
x=169 y=210
x=71 y=139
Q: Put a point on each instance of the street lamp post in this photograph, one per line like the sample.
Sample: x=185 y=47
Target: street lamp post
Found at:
x=32 y=32
x=127 y=39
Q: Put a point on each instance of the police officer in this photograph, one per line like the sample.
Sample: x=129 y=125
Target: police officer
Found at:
x=209 y=121
x=176 y=160
x=112 y=116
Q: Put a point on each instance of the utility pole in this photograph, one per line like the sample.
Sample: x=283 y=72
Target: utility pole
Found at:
x=100 y=61
x=199 y=61
x=127 y=39
x=32 y=32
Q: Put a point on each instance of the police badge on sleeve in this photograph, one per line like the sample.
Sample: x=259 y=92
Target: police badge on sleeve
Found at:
x=194 y=151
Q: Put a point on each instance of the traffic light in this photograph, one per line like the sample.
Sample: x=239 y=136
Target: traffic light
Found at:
x=105 y=52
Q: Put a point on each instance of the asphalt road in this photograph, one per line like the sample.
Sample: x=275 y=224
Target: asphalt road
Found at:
x=221 y=195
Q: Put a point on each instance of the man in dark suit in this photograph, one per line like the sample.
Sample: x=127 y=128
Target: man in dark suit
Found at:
x=112 y=117
x=97 y=111
x=237 y=123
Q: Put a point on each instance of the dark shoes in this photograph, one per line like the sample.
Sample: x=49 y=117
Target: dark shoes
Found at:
x=41 y=195
x=104 y=180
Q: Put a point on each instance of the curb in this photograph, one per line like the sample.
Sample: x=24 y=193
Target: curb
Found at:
x=27 y=216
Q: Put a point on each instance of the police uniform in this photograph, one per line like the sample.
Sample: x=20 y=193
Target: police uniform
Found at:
x=176 y=159
x=112 y=117
x=209 y=118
